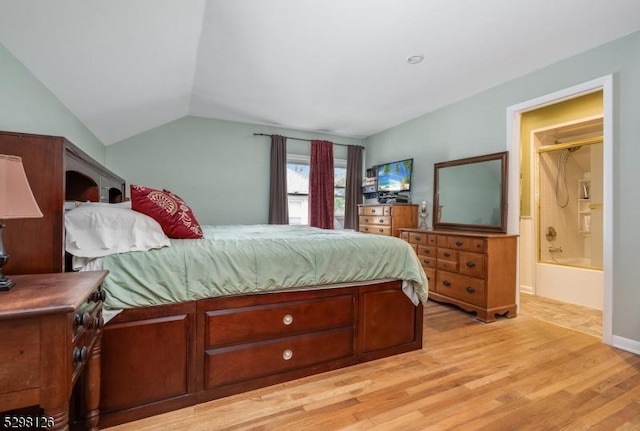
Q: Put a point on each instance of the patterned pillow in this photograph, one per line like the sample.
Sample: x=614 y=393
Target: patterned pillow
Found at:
x=173 y=214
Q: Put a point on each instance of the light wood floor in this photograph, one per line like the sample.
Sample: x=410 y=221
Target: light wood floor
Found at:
x=581 y=319
x=514 y=374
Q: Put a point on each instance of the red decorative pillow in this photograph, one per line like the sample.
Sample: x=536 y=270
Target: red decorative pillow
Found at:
x=173 y=214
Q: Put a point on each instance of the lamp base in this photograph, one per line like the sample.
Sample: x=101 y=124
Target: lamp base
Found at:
x=5 y=283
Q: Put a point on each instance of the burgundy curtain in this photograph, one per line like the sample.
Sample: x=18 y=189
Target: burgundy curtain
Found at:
x=321 y=185
x=353 y=190
x=278 y=202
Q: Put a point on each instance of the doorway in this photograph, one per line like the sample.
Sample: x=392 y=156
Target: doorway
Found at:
x=526 y=219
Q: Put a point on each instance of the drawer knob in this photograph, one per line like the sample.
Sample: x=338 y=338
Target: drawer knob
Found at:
x=417 y=238
x=447 y=254
x=426 y=261
x=366 y=220
x=470 y=289
x=79 y=355
x=459 y=243
x=471 y=264
x=287 y=320
x=97 y=296
x=98 y=322
x=381 y=220
x=446 y=283
x=287 y=354
x=373 y=210
x=83 y=319
x=380 y=230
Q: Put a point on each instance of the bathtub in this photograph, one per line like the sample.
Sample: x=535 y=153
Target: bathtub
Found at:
x=584 y=262
x=570 y=280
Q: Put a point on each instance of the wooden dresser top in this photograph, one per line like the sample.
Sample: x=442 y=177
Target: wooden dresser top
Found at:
x=40 y=294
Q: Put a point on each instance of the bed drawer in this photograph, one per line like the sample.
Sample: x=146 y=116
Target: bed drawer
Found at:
x=261 y=322
x=244 y=362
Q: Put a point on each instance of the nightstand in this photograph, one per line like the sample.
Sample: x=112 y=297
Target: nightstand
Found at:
x=51 y=325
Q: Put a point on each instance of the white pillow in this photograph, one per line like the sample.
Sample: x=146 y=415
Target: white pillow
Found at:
x=95 y=230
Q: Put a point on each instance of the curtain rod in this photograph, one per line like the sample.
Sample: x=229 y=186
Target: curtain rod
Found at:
x=570 y=144
x=308 y=140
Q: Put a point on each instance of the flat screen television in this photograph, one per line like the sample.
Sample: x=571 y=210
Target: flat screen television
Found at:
x=395 y=177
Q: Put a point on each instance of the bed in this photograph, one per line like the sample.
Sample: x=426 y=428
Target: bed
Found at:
x=195 y=316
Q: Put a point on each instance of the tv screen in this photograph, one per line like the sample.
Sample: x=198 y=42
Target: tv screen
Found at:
x=395 y=176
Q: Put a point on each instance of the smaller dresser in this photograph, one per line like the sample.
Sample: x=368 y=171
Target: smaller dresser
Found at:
x=51 y=326
x=387 y=219
x=475 y=271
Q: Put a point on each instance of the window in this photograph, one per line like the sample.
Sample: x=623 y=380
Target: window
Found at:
x=298 y=189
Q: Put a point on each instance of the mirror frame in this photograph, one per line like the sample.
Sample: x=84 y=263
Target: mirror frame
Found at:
x=502 y=228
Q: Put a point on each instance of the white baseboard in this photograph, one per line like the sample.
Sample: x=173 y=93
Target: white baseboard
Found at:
x=527 y=289
x=627 y=344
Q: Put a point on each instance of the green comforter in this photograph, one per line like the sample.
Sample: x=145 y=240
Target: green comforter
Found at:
x=247 y=259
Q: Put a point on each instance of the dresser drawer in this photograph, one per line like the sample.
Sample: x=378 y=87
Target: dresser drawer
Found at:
x=426 y=250
x=427 y=261
x=375 y=220
x=448 y=254
x=376 y=210
x=467 y=289
x=471 y=264
x=418 y=238
x=431 y=276
x=380 y=230
x=260 y=322
x=83 y=345
x=461 y=243
x=447 y=259
x=86 y=323
x=20 y=356
x=447 y=265
x=243 y=362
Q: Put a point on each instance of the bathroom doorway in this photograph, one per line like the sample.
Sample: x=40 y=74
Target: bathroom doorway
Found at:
x=567 y=211
x=565 y=231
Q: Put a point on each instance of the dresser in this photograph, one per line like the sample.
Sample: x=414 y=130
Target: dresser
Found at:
x=475 y=271
x=51 y=326
x=387 y=219
x=57 y=171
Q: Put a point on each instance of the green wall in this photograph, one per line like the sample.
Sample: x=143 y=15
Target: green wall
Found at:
x=222 y=169
x=28 y=106
x=218 y=167
x=477 y=125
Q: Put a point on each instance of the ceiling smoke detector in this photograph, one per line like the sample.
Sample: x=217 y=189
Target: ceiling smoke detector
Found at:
x=415 y=59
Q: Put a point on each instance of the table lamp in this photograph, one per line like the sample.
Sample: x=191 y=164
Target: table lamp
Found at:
x=16 y=201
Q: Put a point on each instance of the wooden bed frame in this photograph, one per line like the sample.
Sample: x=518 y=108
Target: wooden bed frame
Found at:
x=158 y=359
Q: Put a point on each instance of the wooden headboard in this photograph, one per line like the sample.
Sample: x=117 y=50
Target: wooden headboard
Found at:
x=57 y=171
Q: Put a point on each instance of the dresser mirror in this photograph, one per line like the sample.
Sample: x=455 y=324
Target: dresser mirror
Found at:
x=471 y=194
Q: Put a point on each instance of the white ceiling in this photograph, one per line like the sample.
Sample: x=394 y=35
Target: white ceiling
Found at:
x=336 y=66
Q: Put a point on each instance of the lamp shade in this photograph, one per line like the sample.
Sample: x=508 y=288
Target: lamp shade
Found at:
x=16 y=197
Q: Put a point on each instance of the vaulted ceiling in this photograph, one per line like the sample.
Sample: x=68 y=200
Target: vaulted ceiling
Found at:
x=336 y=66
